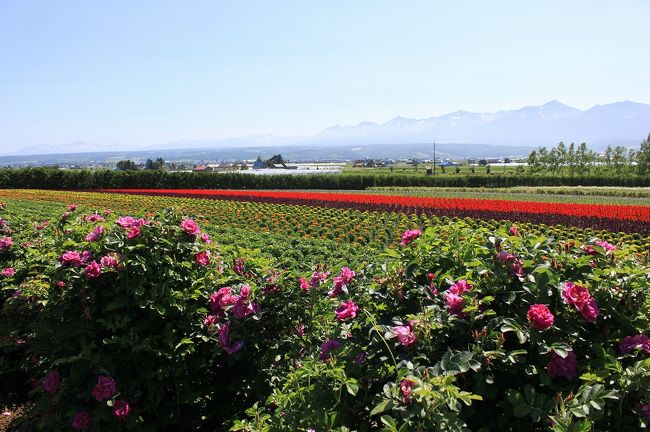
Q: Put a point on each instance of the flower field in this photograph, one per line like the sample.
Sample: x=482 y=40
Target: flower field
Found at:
x=626 y=218
x=117 y=313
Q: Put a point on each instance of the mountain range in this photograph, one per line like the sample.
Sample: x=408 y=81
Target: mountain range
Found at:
x=622 y=123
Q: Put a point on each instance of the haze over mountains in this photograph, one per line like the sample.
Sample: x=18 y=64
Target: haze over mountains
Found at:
x=621 y=123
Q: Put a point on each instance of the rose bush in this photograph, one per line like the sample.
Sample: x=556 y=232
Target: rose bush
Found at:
x=458 y=329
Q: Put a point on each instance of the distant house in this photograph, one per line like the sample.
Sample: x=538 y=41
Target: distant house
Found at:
x=202 y=168
x=259 y=164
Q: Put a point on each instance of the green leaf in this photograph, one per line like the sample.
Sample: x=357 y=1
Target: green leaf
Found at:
x=352 y=387
x=522 y=410
x=383 y=406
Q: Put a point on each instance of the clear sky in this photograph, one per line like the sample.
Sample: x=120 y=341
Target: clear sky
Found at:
x=151 y=71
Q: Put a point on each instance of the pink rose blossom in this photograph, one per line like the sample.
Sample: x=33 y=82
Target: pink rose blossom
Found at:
x=637 y=342
x=224 y=339
x=513 y=230
x=109 y=261
x=51 y=382
x=304 y=284
x=60 y=284
x=95 y=234
x=326 y=347
x=239 y=266
x=454 y=302
x=580 y=297
x=347 y=275
x=409 y=235
x=405 y=335
x=134 y=232
x=609 y=248
x=86 y=256
x=202 y=258
x=93 y=270
x=126 y=221
x=243 y=307
x=81 y=420
x=562 y=367
x=221 y=299
x=8 y=272
x=5 y=243
x=210 y=320
x=317 y=278
x=505 y=257
x=104 y=389
x=405 y=387
x=72 y=207
x=190 y=227
x=540 y=317
x=121 y=409
x=460 y=287
x=205 y=238
x=347 y=311
x=338 y=287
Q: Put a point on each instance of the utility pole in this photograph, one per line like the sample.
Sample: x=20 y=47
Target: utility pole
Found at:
x=434 y=158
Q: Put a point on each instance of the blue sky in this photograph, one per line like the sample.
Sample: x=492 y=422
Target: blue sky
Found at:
x=147 y=72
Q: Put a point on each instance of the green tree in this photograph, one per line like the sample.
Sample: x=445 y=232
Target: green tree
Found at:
x=643 y=157
x=126 y=165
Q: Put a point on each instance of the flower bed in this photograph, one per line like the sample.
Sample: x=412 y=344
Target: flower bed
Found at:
x=148 y=323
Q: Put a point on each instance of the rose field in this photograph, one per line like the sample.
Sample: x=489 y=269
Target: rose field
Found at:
x=215 y=310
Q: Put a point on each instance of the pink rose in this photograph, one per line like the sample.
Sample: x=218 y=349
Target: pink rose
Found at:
x=221 y=299
x=513 y=230
x=210 y=320
x=109 y=261
x=95 y=234
x=104 y=389
x=405 y=386
x=134 y=232
x=505 y=257
x=562 y=367
x=5 y=243
x=409 y=235
x=328 y=346
x=72 y=207
x=460 y=287
x=347 y=275
x=347 y=311
x=81 y=420
x=93 y=270
x=239 y=266
x=205 y=238
x=190 y=227
x=121 y=409
x=304 y=284
x=86 y=256
x=405 y=335
x=317 y=278
x=202 y=258
x=338 y=287
x=51 y=382
x=580 y=297
x=454 y=302
x=224 y=339
x=8 y=272
x=71 y=258
x=637 y=342
x=126 y=222
x=540 y=317
x=609 y=248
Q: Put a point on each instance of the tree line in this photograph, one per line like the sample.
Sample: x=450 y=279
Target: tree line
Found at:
x=579 y=160
x=52 y=178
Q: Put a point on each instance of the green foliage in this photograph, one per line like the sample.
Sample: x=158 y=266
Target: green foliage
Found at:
x=143 y=322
